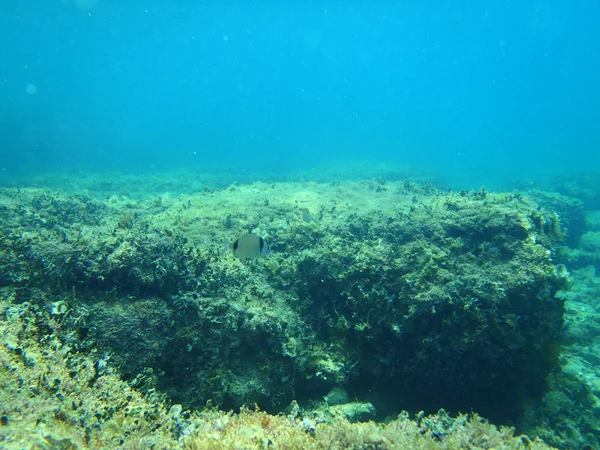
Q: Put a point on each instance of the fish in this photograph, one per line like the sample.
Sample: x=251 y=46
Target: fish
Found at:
x=307 y=216
x=248 y=246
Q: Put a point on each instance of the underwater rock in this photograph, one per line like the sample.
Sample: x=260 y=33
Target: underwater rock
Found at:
x=405 y=296
x=450 y=305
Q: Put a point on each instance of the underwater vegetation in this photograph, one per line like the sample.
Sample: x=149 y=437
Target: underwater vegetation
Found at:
x=582 y=186
x=54 y=397
x=393 y=296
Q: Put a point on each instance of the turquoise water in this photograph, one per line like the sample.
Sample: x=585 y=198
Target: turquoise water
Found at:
x=136 y=103
x=474 y=90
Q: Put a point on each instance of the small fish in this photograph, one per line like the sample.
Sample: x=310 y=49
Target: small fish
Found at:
x=249 y=246
x=307 y=216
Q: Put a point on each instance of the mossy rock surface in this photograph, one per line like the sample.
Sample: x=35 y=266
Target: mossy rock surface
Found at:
x=54 y=397
x=407 y=296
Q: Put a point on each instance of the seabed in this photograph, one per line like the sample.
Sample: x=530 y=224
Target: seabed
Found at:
x=395 y=314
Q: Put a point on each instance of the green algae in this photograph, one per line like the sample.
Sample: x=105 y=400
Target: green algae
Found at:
x=407 y=296
x=53 y=397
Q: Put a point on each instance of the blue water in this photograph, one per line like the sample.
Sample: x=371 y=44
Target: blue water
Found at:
x=481 y=88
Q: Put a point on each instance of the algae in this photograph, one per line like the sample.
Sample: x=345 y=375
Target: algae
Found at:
x=405 y=295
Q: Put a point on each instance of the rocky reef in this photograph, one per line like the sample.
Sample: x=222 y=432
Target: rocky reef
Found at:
x=400 y=295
